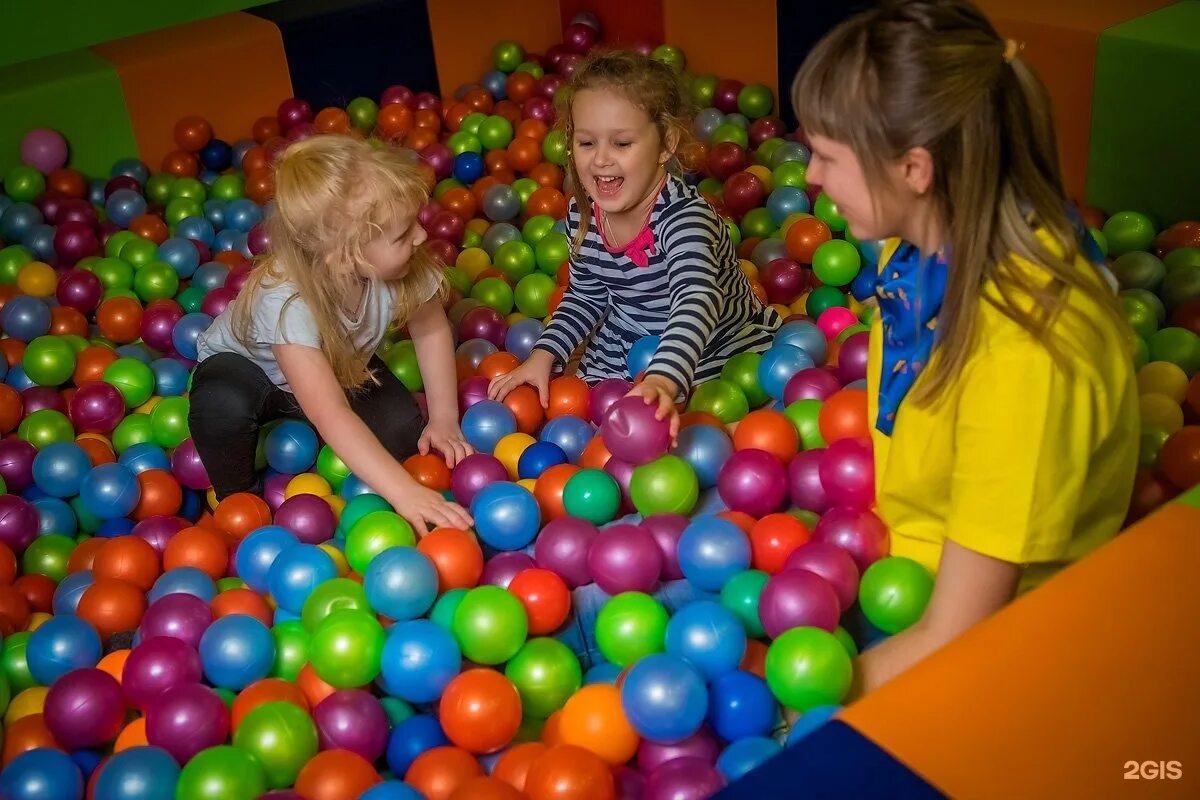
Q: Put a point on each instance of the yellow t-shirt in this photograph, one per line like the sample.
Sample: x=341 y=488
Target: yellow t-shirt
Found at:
x=1021 y=459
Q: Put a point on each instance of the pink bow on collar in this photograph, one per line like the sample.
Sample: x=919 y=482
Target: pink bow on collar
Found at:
x=641 y=248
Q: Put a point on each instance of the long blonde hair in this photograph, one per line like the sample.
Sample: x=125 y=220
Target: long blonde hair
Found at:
x=333 y=195
x=650 y=85
x=935 y=74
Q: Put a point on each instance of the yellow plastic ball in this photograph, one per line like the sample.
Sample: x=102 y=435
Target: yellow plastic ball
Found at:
x=478 y=225
x=748 y=268
x=509 y=450
x=1160 y=411
x=29 y=701
x=307 y=483
x=781 y=309
x=36 y=620
x=38 y=279
x=338 y=504
x=148 y=406
x=339 y=559
x=528 y=484
x=472 y=261
x=787 y=223
x=211 y=497
x=1165 y=378
x=514 y=318
x=800 y=305
x=763 y=174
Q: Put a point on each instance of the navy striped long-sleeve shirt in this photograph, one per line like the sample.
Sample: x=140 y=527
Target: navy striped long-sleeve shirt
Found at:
x=691 y=294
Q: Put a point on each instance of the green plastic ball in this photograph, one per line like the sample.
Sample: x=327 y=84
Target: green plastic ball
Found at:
x=291 y=649
x=790 y=173
x=494 y=293
x=158 y=187
x=495 y=132
x=824 y=298
x=169 y=421
x=757 y=223
x=554 y=147
x=402 y=361
x=190 y=299
x=48 y=555
x=137 y=253
x=1178 y=258
x=15 y=664
x=46 y=426
x=704 y=90
x=766 y=151
x=157 y=280
x=515 y=259
x=489 y=625
x=1150 y=445
x=333 y=595
x=533 y=294
x=1139 y=270
x=755 y=100
x=671 y=56
x=134 y=429
x=471 y=122
x=363 y=113
x=190 y=188
x=808 y=667
x=507 y=56
x=533 y=68
x=525 y=187
x=667 y=485
x=1140 y=316
x=471 y=239
x=546 y=674
x=552 y=251
x=221 y=773
x=463 y=142
x=132 y=378
x=181 y=208
x=537 y=228
x=23 y=184
x=396 y=709
x=458 y=280
x=741 y=594
x=1127 y=231
x=49 y=360
x=1181 y=286
x=230 y=583
x=835 y=263
x=445 y=185
x=331 y=467
x=346 y=648
x=229 y=187
x=374 y=533
x=847 y=641
x=731 y=132
x=826 y=210
x=12 y=258
x=805 y=415
x=112 y=248
x=630 y=626
x=592 y=494
x=1177 y=345
x=281 y=736
x=444 y=608
x=88 y=522
x=742 y=372
x=358 y=507
x=735 y=233
x=722 y=399
x=894 y=592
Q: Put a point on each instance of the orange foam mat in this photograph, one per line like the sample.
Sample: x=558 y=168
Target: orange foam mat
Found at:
x=229 y=70
x=465 y=30
x=1060 y=41
x=1076 y=684
x=729 y=40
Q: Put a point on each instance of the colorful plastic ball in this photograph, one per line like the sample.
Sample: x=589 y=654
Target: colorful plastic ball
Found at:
x=419 y=659
x=281 y=737
x=720 y=398
x=830 y=562
x=221 y=772
x=159 y=663
x=894 y=593
x=741 y=706
x=49 y=361
x=711 y=551
x=640 y=354
x=110 y=490
x=480 y=710
x=705 y=448
x=25 y=318
x=236 y=651
x=353 y=720
x=632 y=432
x=753 y=481
x=138 y=773
x=296 y=572
x=707 y=636
x=401 y=583
x=1127 y=231
x=490 y=625
x=84 y=708
x=778 y=365
x=506 y=516
x=41 y=774
x=664 y=698
x=593 y=495
x=858 y=532
x=808 y=667
x=745 y=755
x=570 y=433
x=346 y=648
x=795 y=598
x=624 y=558
x=60 y=645
x=563 y=548
x=60 y=467
x=630 y=626
x=291 y=447
x=486 y=423
x=374 y=533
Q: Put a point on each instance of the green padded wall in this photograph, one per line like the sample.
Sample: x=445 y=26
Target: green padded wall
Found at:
x=1146 y=115
x=37 y=28
x=78 y=94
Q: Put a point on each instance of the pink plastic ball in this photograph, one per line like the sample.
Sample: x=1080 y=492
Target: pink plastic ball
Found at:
x=633 y=434
x=832 y=563
x=857 y=531
x=848 y=473
x=753 y=481
x=795 y=598
x=44 y=149
x=835 y=320
x=604 y=394
x=805 y=487
x=814 y=383
x=624 y=558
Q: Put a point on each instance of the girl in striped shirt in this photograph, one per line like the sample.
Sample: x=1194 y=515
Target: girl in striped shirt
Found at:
x=650 y=257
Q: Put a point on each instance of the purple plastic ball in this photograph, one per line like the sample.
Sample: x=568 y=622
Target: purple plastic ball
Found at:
x=187 y=467
x=483 y=323
x=81 y=290
x=158 y=530
x=702 y=745
x=848 y=473
x=97 y=407
x=84 y=708
x=830 y=562
x=793 y=598
x=38 y=398
x=814 y=383
x=857 y=531
x=307 y=516
x=187 y=719
x=753 y=481
x=666 y=530
x=18 y=522
x=273 y=488
x=562 y=547
x=473 y=473
x=351 y=719
x=157 y=664
x=852 y=358
x=633 y=434
x=181 y=616
x=624 y=558
x=157 y=324
x=501 y=568
x=622 y=473
x=604 y=394
x=471 y=391
x=804 y=481
x=683 y=779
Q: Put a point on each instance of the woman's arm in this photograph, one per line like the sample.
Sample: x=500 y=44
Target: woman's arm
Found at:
x=324 y=403
x=430 y=331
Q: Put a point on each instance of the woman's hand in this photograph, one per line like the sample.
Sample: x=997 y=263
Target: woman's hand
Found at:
x=660 y=391
x=447 y=438
x=424 y=507
x=535 y=371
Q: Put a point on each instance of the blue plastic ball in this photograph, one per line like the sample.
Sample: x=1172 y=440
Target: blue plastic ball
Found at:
x=705 y=449
x=110 y=490
x=785 y=201
x=539 y=457
x=132 y=167
x=711 y=551
x=296 y=572
x=136 y=350
x=217 y=155
x=486 y=423
x=187 y=330
x=640 y=354
x=197 y=229
x=214 y=212
x=506 y=515
x=117 y=526
x=181 y=254
x=411 y=738
x=25 y=317
x=59 y=645
x=59 y=468
x=664 y=698
x=231 y=241
x=55 y=516
x=741 y=705
x=778 y=365
x=496 y=82
x=123 y=206
x=170 y=377
x=242 y=215
x=419 y=659
x=708 y=636
x=744 y=755
x=139 y=773
x=258 y=551
x=805 y=335
x=603 y=672
x=391 y=790
x=570 y=433
x=292 y=447
x=236 y=651
x=143 y=456
x=522 y=336
x=16 y=377
x=809 y=721
x=468 y=167
x=69 y=590
x=210 y=275
x=401 y=583
x=41 y=774
x=183 y=580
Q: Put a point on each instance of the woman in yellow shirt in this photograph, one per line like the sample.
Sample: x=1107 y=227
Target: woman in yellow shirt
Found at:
x=1001 y=381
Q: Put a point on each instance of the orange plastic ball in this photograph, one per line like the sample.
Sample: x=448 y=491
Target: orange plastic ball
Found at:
x=336 y=775
x=549 y=201
x=513 y=766
x=456 y=555
x=534 y=129
x=12 y=408
x=773 y=538
x=419 y=138
x=480 y=710
x=520 y=86
x=255 y=161
x=332 y=120
x=740 y=518
x=313 y=687
x=97 y=448
x=455 y=114
x=440 y=771
x=38 y=590
x=133 y=735
x=526 y=406
x=120 y=319
x=13 y=349
x=548 y=490
x=487 y=788
x=193 y=133
x=594 y=719
x=66 y=181
x=755 y=658
x=268 y=690
x=25 y=734
x=804 y=237
x=198 y=547
x=14 y=610
x=552 y=729
x=844 y=416
x=495 y=161
x=595 y=454
x=261 y=187
x=84 y=554
x=112 y=606
x=568 y=395
x=161 y=494
x=427 y=118
x=67 y=321
x=128 y=558
x=460 y=202
x=239 y=514
x=546 y=599
x=509 y=110
x=479 y=100
x=242 y=601
x=524 y=153
x=265 y=127
x=480 y=187
x=767 y=430
x=497 y=364
x=547 y=175
x=568 y=772
x=181 y=164
x=429 y=470
x=1179 y=458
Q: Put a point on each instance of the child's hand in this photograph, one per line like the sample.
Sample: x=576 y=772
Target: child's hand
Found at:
x=661 y=392
x=447 y=438
x=535 y=371
x=423 y=507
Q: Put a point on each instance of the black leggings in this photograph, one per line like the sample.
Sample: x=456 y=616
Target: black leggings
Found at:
x=232 y=398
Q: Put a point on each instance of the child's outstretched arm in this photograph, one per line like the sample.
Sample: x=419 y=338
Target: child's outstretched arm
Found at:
x=430 y=331
x=324 y=403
